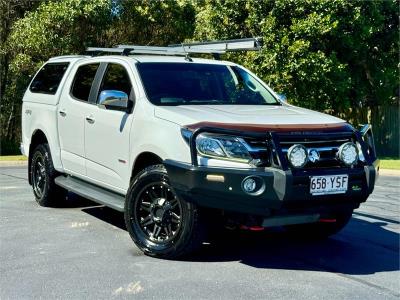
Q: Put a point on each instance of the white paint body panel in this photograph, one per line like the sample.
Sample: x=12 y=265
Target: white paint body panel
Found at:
x=38 y=119
x=105 y=152
x=107 y=141
x=39 y=112
x=71 y=134
x=242 y=114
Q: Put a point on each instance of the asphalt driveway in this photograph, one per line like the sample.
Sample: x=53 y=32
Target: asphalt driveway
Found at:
x=83 y=251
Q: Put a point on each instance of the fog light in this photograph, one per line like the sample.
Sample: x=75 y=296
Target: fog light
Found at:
x=253 y=185
x=348 y=153
x=249 y=185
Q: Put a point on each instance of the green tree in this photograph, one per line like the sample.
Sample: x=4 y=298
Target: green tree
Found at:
x=325 y=55
x=148 y=22
x=10 y=12
x=53 y=28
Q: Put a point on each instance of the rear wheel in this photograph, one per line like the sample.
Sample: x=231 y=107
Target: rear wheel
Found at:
x=42 y=173
x=320 y=230
x=159 y=222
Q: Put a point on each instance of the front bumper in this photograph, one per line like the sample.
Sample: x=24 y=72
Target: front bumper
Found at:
x=285 y=192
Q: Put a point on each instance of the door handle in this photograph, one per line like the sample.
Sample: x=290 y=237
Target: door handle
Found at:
x=90 y=119
x=62 y=113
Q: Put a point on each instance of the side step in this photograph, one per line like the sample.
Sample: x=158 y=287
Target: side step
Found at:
x=92 y=192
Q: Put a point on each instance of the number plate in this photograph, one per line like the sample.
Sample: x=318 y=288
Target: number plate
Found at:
x=325 y=185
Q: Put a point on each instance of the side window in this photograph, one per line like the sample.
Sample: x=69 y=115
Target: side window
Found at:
x=116 y=78
x=48 y=79
x=83 y=81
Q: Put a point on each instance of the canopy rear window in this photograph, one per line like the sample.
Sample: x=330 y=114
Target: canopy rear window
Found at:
x=48 y=78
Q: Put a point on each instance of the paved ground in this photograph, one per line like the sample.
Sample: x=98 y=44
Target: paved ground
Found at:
x=83 y=252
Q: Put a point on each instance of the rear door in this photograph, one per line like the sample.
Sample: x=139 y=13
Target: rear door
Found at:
x=107 y=132
x=74 y=105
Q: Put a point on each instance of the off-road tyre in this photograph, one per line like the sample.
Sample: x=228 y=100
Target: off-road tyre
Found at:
x=152 y=186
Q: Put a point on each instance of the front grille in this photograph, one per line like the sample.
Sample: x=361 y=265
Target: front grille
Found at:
x=327 y=144
x=260 y=150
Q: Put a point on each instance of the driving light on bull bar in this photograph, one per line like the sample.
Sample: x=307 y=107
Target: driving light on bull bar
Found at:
x=348 y=153
x=297 y=155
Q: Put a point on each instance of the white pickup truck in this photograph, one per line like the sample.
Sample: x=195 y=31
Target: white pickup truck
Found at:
x=182 y=145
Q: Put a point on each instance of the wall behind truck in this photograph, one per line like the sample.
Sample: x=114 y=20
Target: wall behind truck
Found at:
x=385 y=122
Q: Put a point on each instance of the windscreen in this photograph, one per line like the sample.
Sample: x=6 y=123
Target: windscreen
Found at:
x=202 y=84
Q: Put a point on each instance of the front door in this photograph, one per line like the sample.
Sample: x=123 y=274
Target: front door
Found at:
x=107 y=133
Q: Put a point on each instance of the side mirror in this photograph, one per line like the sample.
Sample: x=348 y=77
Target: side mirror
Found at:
x=115 y=100
x=282 y=97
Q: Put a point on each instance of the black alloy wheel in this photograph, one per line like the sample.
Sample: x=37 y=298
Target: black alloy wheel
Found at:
x=39 y=177
x=159 y=222
x=158 y=212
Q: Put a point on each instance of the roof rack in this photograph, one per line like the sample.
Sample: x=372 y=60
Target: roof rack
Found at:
x=248 y=44
x=213 y=47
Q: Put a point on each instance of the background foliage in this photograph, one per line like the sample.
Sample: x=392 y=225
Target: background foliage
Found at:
x=339 y=56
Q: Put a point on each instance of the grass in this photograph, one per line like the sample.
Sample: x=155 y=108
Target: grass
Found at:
x=386 y=162
x=390 y=163
x=13 y=158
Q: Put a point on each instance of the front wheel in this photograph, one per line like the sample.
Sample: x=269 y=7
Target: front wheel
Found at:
x=159 y=222
x=320 y=230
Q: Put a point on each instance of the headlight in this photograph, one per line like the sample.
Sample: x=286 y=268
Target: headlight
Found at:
x=348 y=153
x=297 y=155
x=223 y=147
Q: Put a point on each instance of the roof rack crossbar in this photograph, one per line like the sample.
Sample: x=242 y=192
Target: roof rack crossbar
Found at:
x=213 y=47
